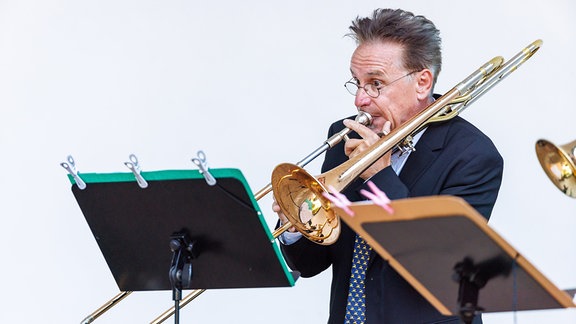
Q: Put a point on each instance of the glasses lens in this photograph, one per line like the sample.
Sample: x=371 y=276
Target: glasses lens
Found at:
x=351 y=87
x=371 y=90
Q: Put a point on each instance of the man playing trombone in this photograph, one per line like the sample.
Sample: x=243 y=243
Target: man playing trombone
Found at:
x=394 y=69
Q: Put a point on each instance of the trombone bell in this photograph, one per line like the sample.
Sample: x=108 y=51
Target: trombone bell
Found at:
x=559 y=164
x=300 y=197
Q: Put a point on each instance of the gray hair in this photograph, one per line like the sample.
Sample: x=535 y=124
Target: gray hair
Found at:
x=418 y=35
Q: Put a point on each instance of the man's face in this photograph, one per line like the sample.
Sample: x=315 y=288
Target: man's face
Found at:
x=400 y=95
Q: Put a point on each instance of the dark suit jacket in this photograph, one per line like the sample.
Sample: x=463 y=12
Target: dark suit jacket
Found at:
x=451 y=158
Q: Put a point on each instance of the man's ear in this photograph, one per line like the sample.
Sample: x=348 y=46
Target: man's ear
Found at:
x=424 y=81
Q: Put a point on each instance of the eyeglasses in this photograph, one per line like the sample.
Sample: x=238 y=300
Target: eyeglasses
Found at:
x=372 y=89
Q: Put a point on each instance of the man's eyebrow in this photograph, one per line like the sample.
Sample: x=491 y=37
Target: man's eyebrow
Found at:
x=371 y=73
x=376 y=73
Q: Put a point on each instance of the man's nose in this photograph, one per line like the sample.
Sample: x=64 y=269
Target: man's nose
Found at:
x=362 y=98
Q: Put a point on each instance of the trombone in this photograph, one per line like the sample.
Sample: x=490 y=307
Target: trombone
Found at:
x=300 y=195
x=295 y=189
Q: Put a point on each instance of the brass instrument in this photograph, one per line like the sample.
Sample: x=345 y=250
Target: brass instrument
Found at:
x=559 y=164
x=300 y=195
x=104 y=308
x=362 y=117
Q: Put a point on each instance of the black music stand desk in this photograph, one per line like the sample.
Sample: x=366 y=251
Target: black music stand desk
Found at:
x=445 y=249
x=221 y=229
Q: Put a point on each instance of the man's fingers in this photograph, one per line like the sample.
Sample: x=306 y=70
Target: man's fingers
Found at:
x=362 y=130
x=385 y=129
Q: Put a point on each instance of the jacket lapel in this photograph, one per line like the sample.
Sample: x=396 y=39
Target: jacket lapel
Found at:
x=427 y=148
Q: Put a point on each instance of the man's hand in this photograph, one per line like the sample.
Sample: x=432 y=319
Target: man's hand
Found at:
x=353 y=146
x=281 y=216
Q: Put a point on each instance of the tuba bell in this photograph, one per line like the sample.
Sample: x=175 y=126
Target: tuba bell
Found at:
x=559 y=164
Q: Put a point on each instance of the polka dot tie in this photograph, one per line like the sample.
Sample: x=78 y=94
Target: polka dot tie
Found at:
x=356 y=306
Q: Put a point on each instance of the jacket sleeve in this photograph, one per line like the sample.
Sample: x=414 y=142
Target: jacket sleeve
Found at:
x=475 y=174
x=307 y=257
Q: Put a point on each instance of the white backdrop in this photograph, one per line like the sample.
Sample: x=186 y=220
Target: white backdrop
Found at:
x=253 y=84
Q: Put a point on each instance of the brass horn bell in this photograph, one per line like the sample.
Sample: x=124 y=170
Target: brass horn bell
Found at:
x=559 y=164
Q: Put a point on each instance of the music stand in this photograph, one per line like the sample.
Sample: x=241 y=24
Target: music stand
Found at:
x=181 y=233
x=445 y=249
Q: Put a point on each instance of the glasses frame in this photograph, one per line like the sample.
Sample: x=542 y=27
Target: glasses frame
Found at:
x=371 y=86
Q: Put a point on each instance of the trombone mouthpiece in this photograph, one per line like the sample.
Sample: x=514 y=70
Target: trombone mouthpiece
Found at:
x=364 y=118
